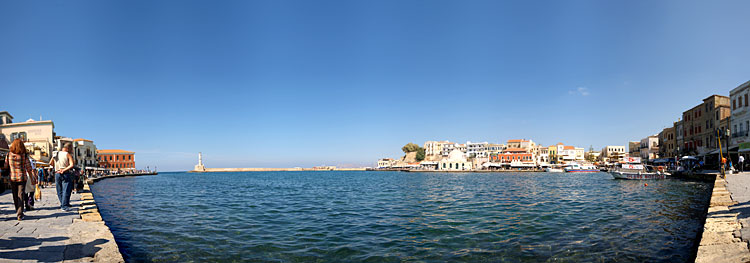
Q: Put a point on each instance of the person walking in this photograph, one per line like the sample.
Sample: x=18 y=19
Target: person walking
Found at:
x=18 y=163
x=62 y=161
x=30 y=189
x=741 y=162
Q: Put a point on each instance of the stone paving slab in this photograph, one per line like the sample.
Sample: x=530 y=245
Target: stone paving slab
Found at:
x=48 y=234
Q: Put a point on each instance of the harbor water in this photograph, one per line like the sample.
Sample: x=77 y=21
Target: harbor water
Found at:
x=395 y=216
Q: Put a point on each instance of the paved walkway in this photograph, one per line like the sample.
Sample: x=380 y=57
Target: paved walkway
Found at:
x=739 y=187
x=48 y=234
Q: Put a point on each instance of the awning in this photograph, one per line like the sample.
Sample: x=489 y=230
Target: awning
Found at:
x=664 y=160
x=688 y=158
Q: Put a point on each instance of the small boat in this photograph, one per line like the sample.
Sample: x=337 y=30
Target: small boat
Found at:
x=577 y=168
x=553 y=170
x=637 y=172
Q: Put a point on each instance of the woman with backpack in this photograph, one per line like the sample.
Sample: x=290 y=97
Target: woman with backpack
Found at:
x=18 y=163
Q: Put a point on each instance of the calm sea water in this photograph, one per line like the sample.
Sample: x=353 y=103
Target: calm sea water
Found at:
x=392 y=216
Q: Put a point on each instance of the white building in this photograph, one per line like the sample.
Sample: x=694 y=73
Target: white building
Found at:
x=477 y=149
x=456 y=161
x=85 y=153
x=612 y=153
x=542 y=155
x=580 y=153
x=740 y=121
x=385 y=163
x=494 y=148
x=649 y=147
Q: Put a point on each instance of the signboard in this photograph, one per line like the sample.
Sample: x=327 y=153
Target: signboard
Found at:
x=745 y=145
x=631 y=159
x=632 y=166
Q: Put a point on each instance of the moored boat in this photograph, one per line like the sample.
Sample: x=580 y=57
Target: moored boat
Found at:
x=637 y=172
x=553 y=170
x=578 y=168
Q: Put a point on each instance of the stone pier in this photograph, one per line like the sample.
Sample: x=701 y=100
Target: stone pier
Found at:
x=727 y=228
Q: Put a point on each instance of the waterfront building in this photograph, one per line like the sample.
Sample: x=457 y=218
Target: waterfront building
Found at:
x=461 y=147
x=700 y=123
x=740 y=121
x=85 y=154
x=552 y=152
x=634 y=148
x=592 y=156
x=514 y=143
x=38 y=136
x=447 y=149
x=515 y=158
x=456 y=161
x=612 y=153
x=115 y=159
x=567 y=153
x=667 y=143
x=494 y=148
x=434 y=148
x=383 y=163
x=476 y=149
x=649 y=147
x=679 y=139
x=579 y=153
x=542 y=155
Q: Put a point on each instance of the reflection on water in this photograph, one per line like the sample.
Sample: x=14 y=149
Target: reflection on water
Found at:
x=391 y=216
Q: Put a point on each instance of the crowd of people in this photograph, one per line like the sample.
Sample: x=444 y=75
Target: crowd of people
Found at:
x=25 y=177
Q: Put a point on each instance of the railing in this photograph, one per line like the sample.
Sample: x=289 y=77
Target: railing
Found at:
x=739 y=134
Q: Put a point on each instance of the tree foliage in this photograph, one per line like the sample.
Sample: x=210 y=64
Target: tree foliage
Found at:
x=420 y=154
x=410 y=147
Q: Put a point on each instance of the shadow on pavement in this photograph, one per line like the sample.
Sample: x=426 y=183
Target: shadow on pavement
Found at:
x=22 y=242
x=56 y=252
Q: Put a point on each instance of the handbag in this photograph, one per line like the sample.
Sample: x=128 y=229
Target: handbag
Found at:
x=29 y=186
x=37 y=194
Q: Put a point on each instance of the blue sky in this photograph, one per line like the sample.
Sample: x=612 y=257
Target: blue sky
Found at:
x=303 y=83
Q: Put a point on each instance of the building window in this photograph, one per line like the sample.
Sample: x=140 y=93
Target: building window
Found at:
x=734 y=104
x=746 y=100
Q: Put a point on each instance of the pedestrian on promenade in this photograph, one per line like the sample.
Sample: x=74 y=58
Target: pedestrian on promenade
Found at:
x=76 y=173
x=40 y=174
x=18 y=163
x=62 y=161
x=30 y=189
x=741 y=162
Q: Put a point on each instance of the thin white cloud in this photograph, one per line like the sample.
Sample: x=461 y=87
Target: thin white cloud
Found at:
x=583 y=91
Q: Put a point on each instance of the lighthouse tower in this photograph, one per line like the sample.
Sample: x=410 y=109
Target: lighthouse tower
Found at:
x=199 y=167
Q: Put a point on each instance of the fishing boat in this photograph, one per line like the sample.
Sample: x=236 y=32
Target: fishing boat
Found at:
x=554 y=168
x=637 y=172
x=578 y=168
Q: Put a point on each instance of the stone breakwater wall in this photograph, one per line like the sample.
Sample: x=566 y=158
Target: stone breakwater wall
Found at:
x=95 y=228
x=721 y=240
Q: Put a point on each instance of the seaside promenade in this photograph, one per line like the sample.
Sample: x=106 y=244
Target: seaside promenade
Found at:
x=726 y=232
x=48 y=234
